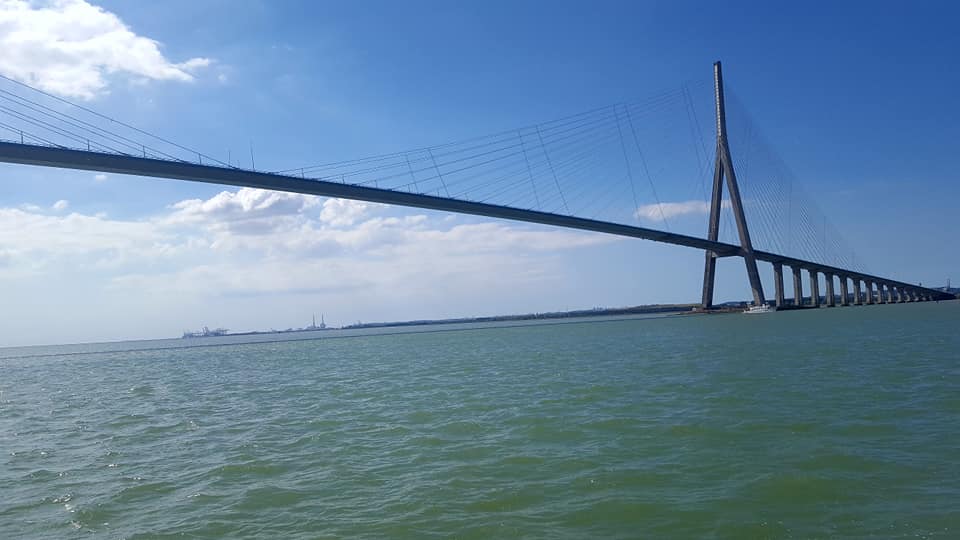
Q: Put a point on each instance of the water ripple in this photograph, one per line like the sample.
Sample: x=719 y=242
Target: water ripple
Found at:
x=716 y=427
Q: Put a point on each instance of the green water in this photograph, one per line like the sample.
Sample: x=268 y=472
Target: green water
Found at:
x=840 y=423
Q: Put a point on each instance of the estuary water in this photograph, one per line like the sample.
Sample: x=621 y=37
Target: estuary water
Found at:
x=838 y=423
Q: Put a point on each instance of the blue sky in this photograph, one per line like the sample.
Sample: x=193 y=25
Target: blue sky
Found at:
x=858 y=100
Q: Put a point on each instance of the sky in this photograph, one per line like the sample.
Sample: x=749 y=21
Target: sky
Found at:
x=856 y=98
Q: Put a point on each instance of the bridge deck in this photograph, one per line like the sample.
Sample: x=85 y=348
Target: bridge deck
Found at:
x=66 y=158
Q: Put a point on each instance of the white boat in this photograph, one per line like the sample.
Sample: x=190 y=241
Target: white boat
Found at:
x=763 y=308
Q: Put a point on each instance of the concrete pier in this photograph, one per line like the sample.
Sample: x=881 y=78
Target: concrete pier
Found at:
x=868 y=292
x=831 y=300
x=797 y=286
x=814 y=289
x=778 y=284
x=857 y=298
x=889 y=293
x=844 y=292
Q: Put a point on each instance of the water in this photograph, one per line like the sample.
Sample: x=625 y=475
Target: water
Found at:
x=838 y=423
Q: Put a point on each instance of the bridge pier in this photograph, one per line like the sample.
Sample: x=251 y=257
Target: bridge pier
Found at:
x=831 y=300
x=844 y=292
x=857 y=299
x=814 y=289
x=898 y=294
x=778 y=284
x=880 y=299
x=889 y=293
x=797 y=286
x=868 y=292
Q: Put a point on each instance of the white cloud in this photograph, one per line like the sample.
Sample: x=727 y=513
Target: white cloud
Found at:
x=269 y=238
x=100 y=178
x=247 y=211
x=193 y=64
x=49 y=243
x=70 y=47
x=344 y=212
x=668 y=210
x=61 y=205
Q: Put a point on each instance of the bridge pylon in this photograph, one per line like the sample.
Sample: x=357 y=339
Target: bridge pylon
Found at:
x=723 y=168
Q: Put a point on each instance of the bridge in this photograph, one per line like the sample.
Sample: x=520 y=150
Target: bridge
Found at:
x=46 y=136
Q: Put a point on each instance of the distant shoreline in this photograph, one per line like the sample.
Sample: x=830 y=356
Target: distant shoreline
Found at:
x=318 y=334
x=579 y=313
x=680 y=309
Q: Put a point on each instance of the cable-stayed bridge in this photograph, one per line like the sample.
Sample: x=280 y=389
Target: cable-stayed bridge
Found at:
x=590 y=171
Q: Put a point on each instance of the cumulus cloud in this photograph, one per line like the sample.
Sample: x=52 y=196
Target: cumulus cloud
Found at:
x=668 y=210
x=246 y=211
x=272 y=236
x=70 y=47
x=344 y=212
x=60 y=205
